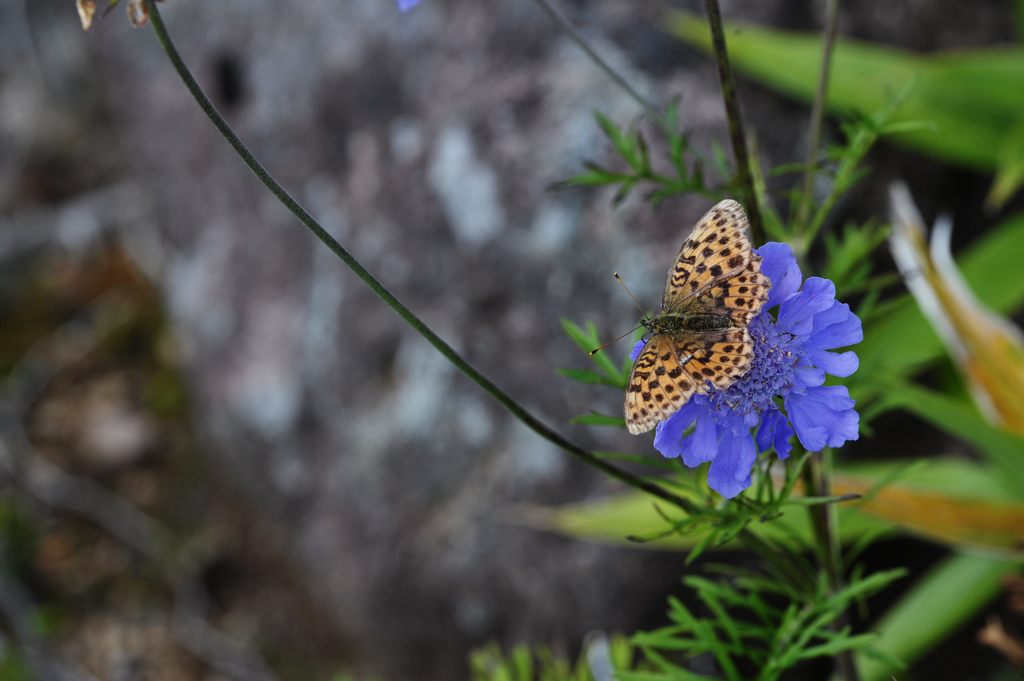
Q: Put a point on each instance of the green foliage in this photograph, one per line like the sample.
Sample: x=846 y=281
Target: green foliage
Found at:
x=623 y=519
x=757 y=626
x=1004 y=451
x=600 y=661
x=685 y=175
x=935 y=606
x=777 y=637
x=597 y=419
x=978 y=510
x=861 y=132
x=848 y=256
x=970 y=97
x=1010 y=174
x=606 y=371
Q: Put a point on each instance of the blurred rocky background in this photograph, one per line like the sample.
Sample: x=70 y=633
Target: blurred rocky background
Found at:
x=223 y=456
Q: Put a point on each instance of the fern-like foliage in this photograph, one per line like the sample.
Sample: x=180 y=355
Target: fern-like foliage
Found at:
x=756 y=627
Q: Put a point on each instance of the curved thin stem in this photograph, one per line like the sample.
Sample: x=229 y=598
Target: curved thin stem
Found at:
x=384 y=294
x=581 y=42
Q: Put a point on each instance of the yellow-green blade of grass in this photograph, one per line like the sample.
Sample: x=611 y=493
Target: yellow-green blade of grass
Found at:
x=935 y=607
x=950 y=501
x=624 y=518
x=1005 y=451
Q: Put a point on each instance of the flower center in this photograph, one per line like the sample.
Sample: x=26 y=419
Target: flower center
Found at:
x=776 y=354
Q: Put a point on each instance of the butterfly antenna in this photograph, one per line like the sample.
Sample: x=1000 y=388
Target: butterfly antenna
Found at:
x=602 y=347
x=629 y=293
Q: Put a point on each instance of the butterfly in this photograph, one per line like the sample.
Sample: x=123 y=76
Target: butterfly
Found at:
x=700 y=339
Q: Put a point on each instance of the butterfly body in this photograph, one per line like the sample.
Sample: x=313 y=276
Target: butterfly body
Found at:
x=699 y=340
x=675 y=322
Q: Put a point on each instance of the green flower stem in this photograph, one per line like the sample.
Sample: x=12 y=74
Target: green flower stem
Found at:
x=817 y=114
x=825 y=523
x=732 y=111
x=405 y=313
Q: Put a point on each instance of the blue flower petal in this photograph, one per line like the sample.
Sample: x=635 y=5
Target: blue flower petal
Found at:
x=775 y=432
x=637 y=347
x=836 y=327
x=729 y=473
x=406 y=5
x=823 y=416
x=796 y=313
x=702 y=445
x=779 y=263
x=668 y=435
x=808 y=375
x=835 y=363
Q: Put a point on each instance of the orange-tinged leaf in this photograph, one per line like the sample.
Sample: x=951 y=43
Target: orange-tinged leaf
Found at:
x=964 y=521
x=988 y=350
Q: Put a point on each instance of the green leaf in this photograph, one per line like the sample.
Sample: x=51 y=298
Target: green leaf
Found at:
x=587 y=339
x=838 y=645
x=959 y=417
x=979 y=511
x=595 y=176
x=935 y=607
x=972 y=98
x=618 y=518
x=974 y=516
x=866 y=586
x=587 y=376
x=1010 y=170
x=953 y=475
x=622 y=144
x=596 y=419
x=848 y=263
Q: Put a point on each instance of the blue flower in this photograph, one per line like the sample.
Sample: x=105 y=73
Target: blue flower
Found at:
x=792 y=353
x=406 y=5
